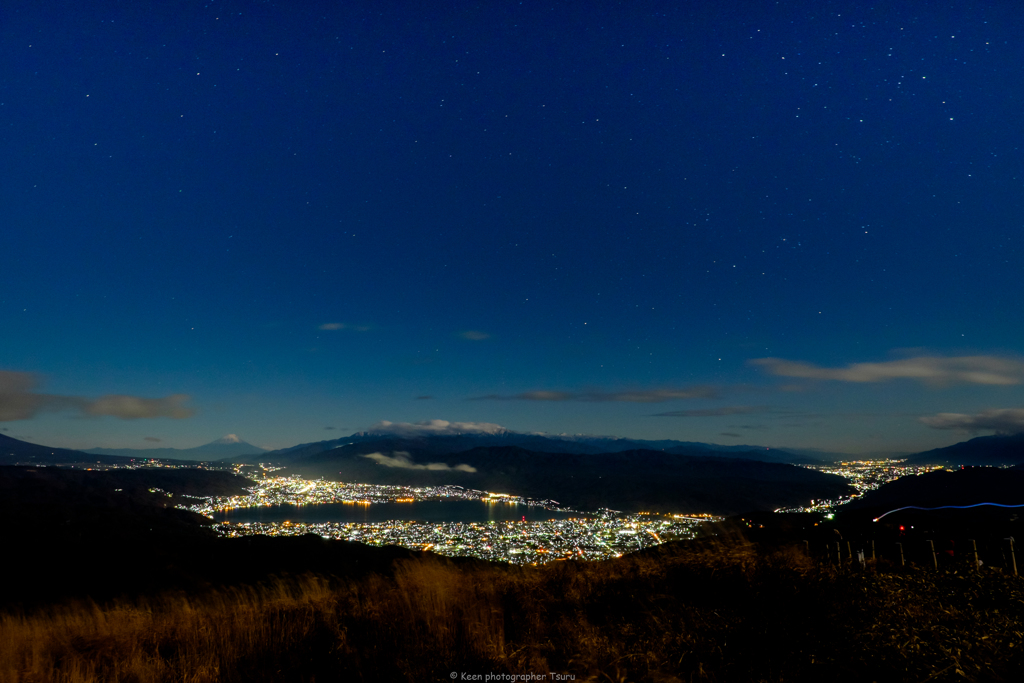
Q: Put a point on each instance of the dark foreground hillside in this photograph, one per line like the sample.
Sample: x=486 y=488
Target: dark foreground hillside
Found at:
x=71 y=534
x=727 y=612
x=968 y=486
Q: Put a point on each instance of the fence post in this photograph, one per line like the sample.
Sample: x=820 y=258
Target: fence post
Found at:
x=1013 y=557
x=974 y=547
x=839 y=554
x=872 y=549
x=935 y=559
x=903 y=562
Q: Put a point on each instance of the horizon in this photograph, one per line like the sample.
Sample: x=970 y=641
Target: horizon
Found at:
x=201 y=441
x=796 y=227
x=429 y=428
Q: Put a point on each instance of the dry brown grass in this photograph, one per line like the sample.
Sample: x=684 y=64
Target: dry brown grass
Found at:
x=722 y=614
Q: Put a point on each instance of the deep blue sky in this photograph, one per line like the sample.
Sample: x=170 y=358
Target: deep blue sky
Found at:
x=276 y=218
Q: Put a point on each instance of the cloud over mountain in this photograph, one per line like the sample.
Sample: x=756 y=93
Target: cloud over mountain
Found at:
x=435 y=427
x=400 y=459
x=931 y=370
x=1005 y=420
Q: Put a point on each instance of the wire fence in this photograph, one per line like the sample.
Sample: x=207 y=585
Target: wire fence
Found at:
x=940 y=552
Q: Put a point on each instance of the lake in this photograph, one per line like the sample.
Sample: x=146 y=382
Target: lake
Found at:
x=422 y=511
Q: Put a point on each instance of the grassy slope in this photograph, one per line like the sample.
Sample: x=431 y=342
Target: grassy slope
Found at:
x=724 y=613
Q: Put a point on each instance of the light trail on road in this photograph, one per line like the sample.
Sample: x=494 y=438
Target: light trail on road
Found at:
x=947 y=507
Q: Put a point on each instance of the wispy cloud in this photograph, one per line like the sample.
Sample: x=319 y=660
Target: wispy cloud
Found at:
x=1005 y=420
x=401 y=460
x=424 y=398
x=528 y=396
x=435 y=427
x=152 y=438
x=638 y=396
x=136 y=407
x=715 y=412
x=474 y=335
x=19 y=400
x=344 y=326
x=733 y=435
x=931 y=370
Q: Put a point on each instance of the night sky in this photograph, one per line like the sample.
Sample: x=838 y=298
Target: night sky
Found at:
x=794 y=224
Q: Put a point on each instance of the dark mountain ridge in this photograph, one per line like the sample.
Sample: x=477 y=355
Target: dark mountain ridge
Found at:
x=999 y=449
x=454 y=443
x=227 y=447
x=17 y=452
x=969 y=486
x=76 y=533
x=14 y=451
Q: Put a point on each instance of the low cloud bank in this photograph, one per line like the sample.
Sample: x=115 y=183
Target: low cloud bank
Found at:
x=401 y=460
x=435 y=427
x=639 y=396
x=931 y=370
x=19 y=400
x=1004 y=420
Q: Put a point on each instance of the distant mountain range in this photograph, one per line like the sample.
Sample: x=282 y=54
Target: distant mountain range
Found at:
x=14 y=451
x=436 y=444
x=684 y=478
x=585 y=472
x=224 y=448
x=984 y=450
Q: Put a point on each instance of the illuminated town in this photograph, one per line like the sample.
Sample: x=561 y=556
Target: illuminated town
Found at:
x=596 y=538
x=600 y=535
x=863 y=475
x=584 y=535
x=294 y=490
